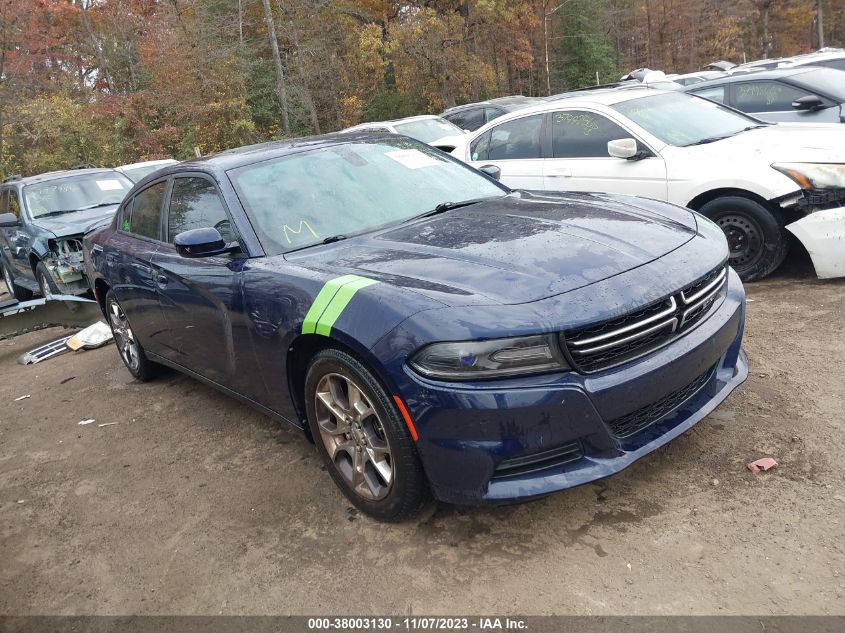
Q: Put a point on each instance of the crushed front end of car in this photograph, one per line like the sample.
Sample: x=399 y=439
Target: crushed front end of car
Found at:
x=64 y=261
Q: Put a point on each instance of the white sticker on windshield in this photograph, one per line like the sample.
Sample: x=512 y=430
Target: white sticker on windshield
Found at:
x=109 y=185
x=412 y=158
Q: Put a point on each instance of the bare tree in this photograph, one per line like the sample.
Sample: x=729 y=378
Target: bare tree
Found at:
x=95 y=42
x=281 y=91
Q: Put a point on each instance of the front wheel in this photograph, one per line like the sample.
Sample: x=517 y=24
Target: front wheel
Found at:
x=21 y=294
x=128 y=346
x=362 y=439
x=45 y=280
x=756 y=237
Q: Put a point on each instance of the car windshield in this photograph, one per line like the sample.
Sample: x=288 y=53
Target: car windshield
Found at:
x=828 y=81
x=76 y=193
x=303 y=199
x=428 y=130
x=680 y=119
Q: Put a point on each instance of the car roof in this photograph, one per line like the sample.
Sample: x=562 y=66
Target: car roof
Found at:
x=148 y=163
x=250 y=154
x=775 y=73
x=55 y=175
x=504 y=102
x=604 y=95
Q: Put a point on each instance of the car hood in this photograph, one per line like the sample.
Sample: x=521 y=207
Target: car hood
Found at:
x=516 y=249
x=786 y=142
x=76 y=222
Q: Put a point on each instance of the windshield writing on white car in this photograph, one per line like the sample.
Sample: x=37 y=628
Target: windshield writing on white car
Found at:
x=680 y=120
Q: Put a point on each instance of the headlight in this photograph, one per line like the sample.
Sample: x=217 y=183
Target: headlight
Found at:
x=814 y=175
x=498 y=358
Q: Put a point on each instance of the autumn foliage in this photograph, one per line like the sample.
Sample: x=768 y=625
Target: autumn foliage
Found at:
x=113 y=81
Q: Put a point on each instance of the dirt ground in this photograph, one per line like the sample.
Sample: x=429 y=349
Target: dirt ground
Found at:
x=191 y=503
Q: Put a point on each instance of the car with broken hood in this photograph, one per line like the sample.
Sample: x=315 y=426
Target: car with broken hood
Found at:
x=42 y=221
x=758 y=181
x=434 y=332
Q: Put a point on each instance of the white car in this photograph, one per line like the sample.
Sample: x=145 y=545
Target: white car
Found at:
x=428 y=128
x=755 y=180
x=136 y=171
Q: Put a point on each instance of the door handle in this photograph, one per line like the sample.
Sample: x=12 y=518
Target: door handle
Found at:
x=559 y=172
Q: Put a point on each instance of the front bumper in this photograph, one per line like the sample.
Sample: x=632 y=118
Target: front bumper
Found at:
x=823 y=235
x=475 y=439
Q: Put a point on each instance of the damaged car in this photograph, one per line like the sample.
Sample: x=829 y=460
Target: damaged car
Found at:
x=42 y=221
x=434 y=332
x=758 y=181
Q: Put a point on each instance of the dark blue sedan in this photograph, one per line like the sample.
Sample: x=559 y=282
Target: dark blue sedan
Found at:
x=434 y=332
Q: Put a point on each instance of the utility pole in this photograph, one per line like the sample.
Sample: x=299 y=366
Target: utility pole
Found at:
x=281 y=92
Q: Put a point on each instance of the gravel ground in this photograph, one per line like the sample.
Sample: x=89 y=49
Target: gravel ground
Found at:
x=191 y=503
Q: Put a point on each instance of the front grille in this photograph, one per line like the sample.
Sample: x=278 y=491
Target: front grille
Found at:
x=613 y=342
x=539 y=461
x=634 y=422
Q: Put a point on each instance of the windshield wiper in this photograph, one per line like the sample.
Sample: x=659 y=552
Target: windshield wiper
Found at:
x=448 y=206
x=333 y=239
x=713 y=139
x=98 y=205
x=709 y=139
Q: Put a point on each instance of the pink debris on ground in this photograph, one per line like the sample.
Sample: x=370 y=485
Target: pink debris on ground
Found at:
x=764 y=463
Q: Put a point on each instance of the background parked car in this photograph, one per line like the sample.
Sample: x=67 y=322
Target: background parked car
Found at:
x=830 y=58
x=428 y=128
x=804 y=94
x=136 y=171
x=752 y=178
x=472 y=116
x=689 y=79
x=42 y=221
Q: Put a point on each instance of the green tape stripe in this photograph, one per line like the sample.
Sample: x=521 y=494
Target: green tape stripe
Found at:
x=339 y=302
x=322 y=301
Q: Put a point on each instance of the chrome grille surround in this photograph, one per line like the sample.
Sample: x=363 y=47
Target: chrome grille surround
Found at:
x=610 y=343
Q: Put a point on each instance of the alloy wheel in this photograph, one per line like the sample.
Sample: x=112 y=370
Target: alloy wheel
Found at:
x=354 y=436
x=123 y=337
x=44 y=284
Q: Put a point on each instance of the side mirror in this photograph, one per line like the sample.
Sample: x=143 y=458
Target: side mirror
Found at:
x=206 y=242
x=492 y=171
x=809 y=102
x=9 y=220
x=622 y=148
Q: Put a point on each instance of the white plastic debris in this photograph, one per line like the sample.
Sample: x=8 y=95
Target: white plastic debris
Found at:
x=18 y=399
x=106 y=424
x=84 y=422
x=93 y=336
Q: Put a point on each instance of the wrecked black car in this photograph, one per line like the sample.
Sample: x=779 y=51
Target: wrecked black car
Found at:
x=42 y=221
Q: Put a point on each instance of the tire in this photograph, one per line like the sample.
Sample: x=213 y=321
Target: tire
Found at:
x=369 y=451
x=756 y=235
x=21 y=294
x=130 y=349
x=45 y=281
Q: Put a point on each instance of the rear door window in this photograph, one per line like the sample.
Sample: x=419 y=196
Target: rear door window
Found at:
x=517 y=139
x=144 y=217
x=765 y=96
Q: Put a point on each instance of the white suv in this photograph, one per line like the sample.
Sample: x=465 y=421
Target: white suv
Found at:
x=753 y=179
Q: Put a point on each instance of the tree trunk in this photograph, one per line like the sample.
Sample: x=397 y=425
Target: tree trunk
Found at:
x=101 y=58
x=281 y=91
x=820 y=23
